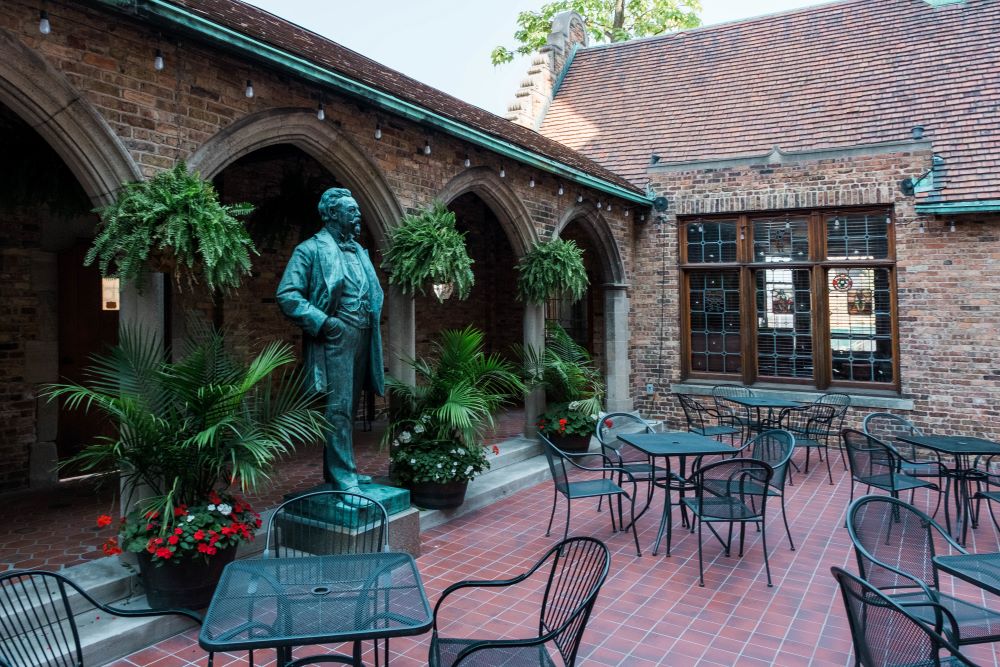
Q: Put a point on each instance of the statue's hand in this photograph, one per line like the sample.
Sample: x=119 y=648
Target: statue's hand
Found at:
x=332 y=327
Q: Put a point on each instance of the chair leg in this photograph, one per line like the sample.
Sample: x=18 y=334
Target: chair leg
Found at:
x=555 y=498
x=635 y=533
x=828 y=472
x=808 y=454
x=763 y=540
x=843 y=457
x=569 y=511
x=743 y=534
x=785 y=519
x=701 y=566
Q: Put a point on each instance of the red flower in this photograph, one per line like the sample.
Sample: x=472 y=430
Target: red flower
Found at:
x=158 y=541
x=214 y=498
x=104 y=520
x=111 y=548
x=496 y=450
x=212 y=551
x=203 y=548
x=562 y=424
x=151 y=514
x=180 y=510
x=178 y=531
x=164 y=552
x=199 y=535
x=149 y=526
x=609 y=423
x=173 y=539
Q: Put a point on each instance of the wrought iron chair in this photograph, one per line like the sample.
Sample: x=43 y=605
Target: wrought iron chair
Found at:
x=886 y=634
x=810 y=425
x=895 y=544
x=842 y=402
x=37 y=618
x=878 y=465
x=707 y=421
x=623 y=455
x=590 y=488
x=775 y=447
x=323 y=523
x=731 y=491
x=734 y=412
x=887 y=427
x=987 y=480
x=578 y=568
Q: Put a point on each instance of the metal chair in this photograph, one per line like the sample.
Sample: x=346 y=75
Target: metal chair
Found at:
x=895 y=544
x=707 y=421
x=731 y=491
x=578 y=568
x=623 y=455
x=775 y=447
x=322 y=523
x=734 y=412
x=886 y=634
x=590 y=488
x=37 y=618
x=810 y=424
x=887 y=427
x=841 y=402
x=877 y=464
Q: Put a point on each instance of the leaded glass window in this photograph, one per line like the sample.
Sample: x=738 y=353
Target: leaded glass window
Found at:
x=715 y=321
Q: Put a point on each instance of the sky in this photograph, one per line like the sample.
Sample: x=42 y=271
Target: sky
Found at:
x=447 y=43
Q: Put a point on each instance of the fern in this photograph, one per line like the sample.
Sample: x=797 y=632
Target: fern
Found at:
x=427 y=248
x=552 y=268
x=174 y=215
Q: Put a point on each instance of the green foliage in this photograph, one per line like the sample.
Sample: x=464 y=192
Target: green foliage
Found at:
x=552 y=268
x=190 y=428
x=564 y=419
x=565 y=371
x=174 y=215
x=427 y=248
x=639 y=18
x=457 y=393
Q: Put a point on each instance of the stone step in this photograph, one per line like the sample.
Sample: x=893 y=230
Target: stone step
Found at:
x=513 y=451
x=105 y=638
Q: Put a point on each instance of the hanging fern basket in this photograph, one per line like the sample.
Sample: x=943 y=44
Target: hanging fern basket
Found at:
x=550 y=269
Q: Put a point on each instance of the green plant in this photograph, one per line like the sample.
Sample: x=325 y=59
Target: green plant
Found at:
x=189 y=430
x=564 y=370
x=427 y=248
x=176 y=216
x=564 y=419
x=439 y=421
x=551 y=268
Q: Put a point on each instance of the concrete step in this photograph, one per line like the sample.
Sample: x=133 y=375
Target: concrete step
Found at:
x=107 y=638
x=513 y=451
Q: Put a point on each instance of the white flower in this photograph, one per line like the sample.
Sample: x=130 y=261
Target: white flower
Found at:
x=413 y=460
x=594 y=416
x=468 y=470
x=224 y=509
x=395 y=443
x=211 y=508
x=426 y=419
x=461 y=451
x=418 y=428
x=573 y=405
x=190 y=518
x=440 y=466
x=405 y=437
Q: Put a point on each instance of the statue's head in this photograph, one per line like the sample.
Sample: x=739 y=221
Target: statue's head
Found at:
x=340 y=213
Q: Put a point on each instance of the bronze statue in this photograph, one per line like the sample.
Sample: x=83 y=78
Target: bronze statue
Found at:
x=331 y=292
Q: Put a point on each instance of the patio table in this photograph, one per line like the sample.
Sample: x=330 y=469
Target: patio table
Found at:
x=769 y=402
x=284 y=602
x=669 y=444
x=961 y=449
x=982 y=570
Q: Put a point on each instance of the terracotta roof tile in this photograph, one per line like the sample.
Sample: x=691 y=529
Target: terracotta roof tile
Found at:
x=838 y=75
x=266 y=27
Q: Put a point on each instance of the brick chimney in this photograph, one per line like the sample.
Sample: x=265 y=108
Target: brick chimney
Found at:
x=532 y=99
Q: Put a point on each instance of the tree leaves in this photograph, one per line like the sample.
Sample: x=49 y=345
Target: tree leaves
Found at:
x=551 y=268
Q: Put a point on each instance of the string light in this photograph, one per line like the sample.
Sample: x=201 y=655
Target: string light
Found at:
x=836 y=223
x=579 y=199
x=44 y=26
x=642 y=217
x=626 y=212
x=788 y=224
x=951 y=225
x=609 y=207
x=427 y=147
x=503 y=172
x=560 y=192
x=888 y=219
x=158 y=63
x=320 y=112
x=249 y=91
x=531 y=182
x=378 y=131
x=467 y=162
x=921 y=228
x=600 y=205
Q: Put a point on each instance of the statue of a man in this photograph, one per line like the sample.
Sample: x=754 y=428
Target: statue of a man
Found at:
x=331 y=292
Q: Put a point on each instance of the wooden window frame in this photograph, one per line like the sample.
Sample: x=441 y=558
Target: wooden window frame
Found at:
x=819 y=267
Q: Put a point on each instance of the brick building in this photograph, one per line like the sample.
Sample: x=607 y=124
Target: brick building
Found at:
x=831 y=185
x=801 y=239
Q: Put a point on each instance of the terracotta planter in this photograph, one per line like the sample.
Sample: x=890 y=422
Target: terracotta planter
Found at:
x=188 y=583
x=437 y=495
x=574 y=444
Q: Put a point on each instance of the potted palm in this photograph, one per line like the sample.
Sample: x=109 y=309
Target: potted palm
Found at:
x=574 y=389
x=436 y=432
x=193 y=436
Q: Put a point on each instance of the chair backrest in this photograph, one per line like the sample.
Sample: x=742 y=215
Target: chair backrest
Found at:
x=811 y=421
x=885 y=634
x=733 y=488
x=696 y=413
x=775 y=448
x=36 y=621
x=614 y=423
x=557 y=464
x=891 y=536
x=327 y=523
x=869 y=457
x=842 y=402
x=887 y=427
x=579 y=567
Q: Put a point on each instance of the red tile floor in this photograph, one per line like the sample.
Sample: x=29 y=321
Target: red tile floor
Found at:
x=651 y=611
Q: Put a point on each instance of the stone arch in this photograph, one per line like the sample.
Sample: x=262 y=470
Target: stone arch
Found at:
x=510 y=211
x=612 y=266
x=321 y=141
x=63 y=117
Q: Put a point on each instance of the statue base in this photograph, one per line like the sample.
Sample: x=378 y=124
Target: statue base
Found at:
x=323 y=526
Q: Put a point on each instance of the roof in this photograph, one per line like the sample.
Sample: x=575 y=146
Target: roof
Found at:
x=840 y=75
x=277 y=32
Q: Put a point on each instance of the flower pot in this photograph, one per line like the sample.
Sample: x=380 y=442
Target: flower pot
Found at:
x=574 y=444
x=438 y=495
x=188 y=583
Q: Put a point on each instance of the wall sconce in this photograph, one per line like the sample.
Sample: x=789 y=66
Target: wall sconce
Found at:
x=110 y=294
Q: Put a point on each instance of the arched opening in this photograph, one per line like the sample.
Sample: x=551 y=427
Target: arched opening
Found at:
x=53 y=315
x=583 y=320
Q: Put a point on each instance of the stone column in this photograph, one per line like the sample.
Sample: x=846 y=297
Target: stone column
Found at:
x=402 y=334
x=616 y=348
x=534 y=337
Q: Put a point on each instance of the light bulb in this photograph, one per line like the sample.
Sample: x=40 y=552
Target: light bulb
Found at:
x=378 y=131
x=427 y=148
x=158 y=61
x=249 y=90
x=468 y=162
x=320 y=112
x=951 y=226
x=788 y=225
x=44 y=26
x=560 y=192
x=531 y=182
x=836 y=223
x=642 y=217
x=888 y=219
x=609 y=207
x=921 y=229
x=579 y=199
x=626 y=213
x=600 y=205
x=503 y=172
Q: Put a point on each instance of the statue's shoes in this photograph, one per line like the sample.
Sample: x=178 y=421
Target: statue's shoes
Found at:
x=364 y=479
x=353 y=501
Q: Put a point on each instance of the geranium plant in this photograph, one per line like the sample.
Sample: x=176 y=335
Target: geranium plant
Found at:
x=565 y=419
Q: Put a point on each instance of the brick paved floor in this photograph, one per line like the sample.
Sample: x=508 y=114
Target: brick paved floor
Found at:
x=651 y=611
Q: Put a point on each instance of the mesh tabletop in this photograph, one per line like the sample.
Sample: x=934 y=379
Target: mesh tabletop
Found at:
x=315 y=600
x=675 y=443
x=983 y=570
x=953 y=444
x=764 y=401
